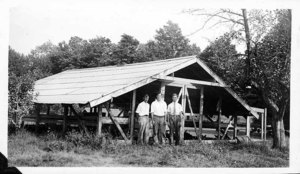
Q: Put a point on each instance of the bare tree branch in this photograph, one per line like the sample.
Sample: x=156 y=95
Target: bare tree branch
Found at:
x=218 y=23
x=217 y=15
x=231 y=12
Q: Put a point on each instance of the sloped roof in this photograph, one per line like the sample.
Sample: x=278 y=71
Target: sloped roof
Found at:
x=85 y=85
x=100 y=84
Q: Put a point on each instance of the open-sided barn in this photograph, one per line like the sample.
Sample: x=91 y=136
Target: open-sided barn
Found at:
x=111 y=94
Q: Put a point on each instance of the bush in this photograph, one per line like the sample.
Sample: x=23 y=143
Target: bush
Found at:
x=78 y=139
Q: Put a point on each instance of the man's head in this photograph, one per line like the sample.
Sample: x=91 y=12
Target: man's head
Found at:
x=146 y=98
x=174 y=97
x=158 y=97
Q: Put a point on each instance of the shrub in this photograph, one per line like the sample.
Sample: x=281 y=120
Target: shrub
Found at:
x=78 y=139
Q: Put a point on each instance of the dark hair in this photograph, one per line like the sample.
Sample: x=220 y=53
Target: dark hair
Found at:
x=174 y=94
x=158 y=94
x=146 y=95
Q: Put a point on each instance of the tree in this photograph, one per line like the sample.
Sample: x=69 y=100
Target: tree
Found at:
x=171 y=42
x=148 y=51
x=262 y=30
x=126 y=49
x=250 y=27
x=100 y=51
x=39 y=59
x=62 y=58
x=20 y=87
x=271 y=75
x=221 y=56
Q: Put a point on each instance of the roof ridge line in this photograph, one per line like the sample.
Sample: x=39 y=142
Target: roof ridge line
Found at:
x=130 y=64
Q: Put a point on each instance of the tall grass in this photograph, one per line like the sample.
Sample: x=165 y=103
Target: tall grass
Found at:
x=76 y=149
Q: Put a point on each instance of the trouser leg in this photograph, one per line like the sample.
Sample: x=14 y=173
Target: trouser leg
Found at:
x=146 y=131
x=172 y=129
x=177 y=130
x=156 y=127
x=141 y=130
x=162 y=130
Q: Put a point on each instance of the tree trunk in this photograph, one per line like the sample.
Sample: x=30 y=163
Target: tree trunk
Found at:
x=278 y=132
x=248 y=39
x=277 y=120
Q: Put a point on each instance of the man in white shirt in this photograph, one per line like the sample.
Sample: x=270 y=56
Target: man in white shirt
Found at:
x=175 y=113
x=158 y=114
x=143 y=119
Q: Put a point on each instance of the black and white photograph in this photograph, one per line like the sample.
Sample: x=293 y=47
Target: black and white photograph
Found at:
x=153 y=86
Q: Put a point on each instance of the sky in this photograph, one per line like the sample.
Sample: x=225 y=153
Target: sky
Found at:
x=31 y=24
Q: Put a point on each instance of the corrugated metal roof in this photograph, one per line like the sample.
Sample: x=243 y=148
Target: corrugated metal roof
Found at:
x=86 y=85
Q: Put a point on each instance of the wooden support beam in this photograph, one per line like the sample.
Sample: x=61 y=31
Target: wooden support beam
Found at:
x=248 y=126
x=189 y=81
x=163 y=89
x=133 y=102
x=179 y=95
x=121 y=112
x=77 y=115
x=219 y=117
x=183 y=103
x=265 y=131
x=201 y=111
x=262 y=125
x=229 y=125
x=66 y=110
x=192 y=113
x=38 y=117
x=99 y=127
x=116 y=124
x=48 y=109
x=234 y=126
x=208 y=117
x=180 y=85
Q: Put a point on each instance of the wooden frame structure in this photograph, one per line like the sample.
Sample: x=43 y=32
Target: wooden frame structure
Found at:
x=168 y=73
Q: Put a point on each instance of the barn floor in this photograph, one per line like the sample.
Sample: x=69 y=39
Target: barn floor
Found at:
x=25 y=149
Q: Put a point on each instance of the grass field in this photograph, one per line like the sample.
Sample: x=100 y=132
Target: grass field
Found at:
x=26 y=149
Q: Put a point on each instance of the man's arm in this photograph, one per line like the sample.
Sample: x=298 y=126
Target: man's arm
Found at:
x=138 y=110
x=181 y=112
x=151 y=111
x=165 y=112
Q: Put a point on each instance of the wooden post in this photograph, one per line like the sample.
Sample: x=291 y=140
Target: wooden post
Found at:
x=265 y=113
x=66 y=110
x=163 y=89
x=99 y=127
x=80 y=122
x=183 y=103
x=38 y=117
x=192 y=114
x=234 y=126
x=262 y=125
x=116 y=123
x=219 y=118
x=48 y=109
x=248 y=126
x=132 y=114
x=201 y=111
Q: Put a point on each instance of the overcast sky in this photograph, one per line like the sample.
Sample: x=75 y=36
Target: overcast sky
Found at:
x=33 y=24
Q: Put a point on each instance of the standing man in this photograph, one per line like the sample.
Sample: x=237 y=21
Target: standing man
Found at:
x=175 y=113
x=158 y=114
x=143 y=119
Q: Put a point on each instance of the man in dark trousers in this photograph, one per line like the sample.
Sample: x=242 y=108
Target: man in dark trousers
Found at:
x=158 y=114
x=175 y=113
x=143 y=119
